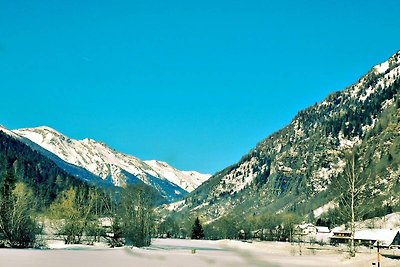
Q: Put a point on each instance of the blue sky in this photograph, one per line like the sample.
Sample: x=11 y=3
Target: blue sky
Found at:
x=193 y=83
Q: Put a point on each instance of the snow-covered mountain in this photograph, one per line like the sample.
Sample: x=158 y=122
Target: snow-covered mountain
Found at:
x=72 y=169
x=188 y=180
x=109 y=164
x=43 y=172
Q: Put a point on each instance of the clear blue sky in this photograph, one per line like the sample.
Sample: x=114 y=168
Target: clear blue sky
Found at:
x=193 y=83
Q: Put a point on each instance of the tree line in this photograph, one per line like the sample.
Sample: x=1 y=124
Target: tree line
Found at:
x=80 y=214
x=267 y=226
x=75 y=213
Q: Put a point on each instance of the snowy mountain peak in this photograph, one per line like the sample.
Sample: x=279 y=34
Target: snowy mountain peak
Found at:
x=107 y=163
x=45 y=129
x=188 y=180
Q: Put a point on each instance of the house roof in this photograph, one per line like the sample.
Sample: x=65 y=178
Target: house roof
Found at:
x=306 y=225
x=341 y=232
x=323 y=229
x=385 y=236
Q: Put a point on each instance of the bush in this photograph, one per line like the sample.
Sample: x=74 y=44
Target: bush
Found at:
x=72 y=214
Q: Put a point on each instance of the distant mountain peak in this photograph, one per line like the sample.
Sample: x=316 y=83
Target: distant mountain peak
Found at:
x=46 y=128
x=107 y=163
x=43 y=128
x=189 y=180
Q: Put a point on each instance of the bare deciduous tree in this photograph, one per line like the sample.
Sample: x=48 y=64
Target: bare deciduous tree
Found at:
x=137 y=215
x=72 y=213
x=351 y=193
x=18 y=227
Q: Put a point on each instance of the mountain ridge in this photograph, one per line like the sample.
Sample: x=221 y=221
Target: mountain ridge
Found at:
x=30 y=166
x=113 y=167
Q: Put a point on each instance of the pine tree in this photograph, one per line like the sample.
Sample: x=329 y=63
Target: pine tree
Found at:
x=197 y=230
x=7 y=185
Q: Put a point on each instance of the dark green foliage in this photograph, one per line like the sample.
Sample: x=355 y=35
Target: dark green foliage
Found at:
x=267 y=226
x=115 y=237
x=169 y=228
x=39 y=181
x=7 y=185
x=197 y=230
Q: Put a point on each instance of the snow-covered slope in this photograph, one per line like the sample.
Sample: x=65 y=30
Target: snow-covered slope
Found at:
x=8 y=132
x=71 y=169
x=107 y=163
x=188 y=180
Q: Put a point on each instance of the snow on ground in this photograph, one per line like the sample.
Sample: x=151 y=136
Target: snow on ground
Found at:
x=176 y=253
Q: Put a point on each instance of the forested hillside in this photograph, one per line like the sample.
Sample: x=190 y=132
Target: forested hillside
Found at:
x=296 y=170
x=41 y=174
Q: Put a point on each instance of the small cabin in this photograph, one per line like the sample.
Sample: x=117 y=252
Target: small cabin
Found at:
x=340 y=237
x=385 y=237
x=368 y=237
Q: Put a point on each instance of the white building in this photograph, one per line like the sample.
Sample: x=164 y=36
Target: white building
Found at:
x=311 y=233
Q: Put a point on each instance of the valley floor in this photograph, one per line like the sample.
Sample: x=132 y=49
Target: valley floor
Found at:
x=175 y=253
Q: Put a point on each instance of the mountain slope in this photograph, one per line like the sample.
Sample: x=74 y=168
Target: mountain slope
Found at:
x=112 y=166
x=73 y=170
x=188 y=180
x=37 y=171
x=292 y=170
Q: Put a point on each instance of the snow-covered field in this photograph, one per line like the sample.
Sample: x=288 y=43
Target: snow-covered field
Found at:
x=175 y=253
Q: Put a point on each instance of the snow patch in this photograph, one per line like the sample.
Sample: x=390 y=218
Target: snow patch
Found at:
x=188 y=180
x=368 y=92
x=382 y=68
x=319 y=211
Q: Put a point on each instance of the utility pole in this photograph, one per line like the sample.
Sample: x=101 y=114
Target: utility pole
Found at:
x=379 y=255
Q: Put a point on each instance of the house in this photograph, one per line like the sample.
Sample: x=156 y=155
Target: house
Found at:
x=368 y=237
x=385 y=237
x=306 y=229
x=340 y=237
x=311 y=233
